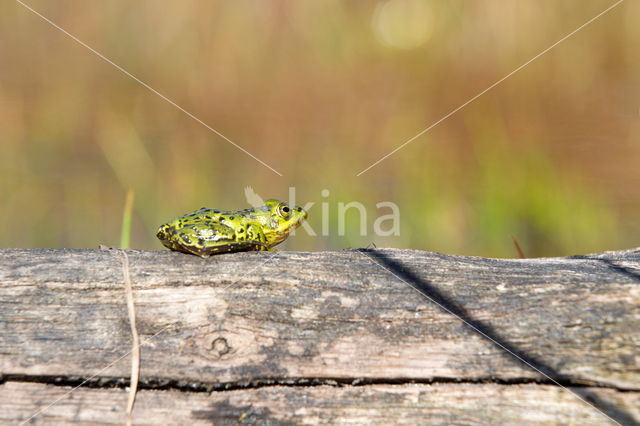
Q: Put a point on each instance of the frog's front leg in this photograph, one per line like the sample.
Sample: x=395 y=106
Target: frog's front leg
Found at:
x=255 y=234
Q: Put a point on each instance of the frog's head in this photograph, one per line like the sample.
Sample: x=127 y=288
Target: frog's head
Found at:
x=283 y=219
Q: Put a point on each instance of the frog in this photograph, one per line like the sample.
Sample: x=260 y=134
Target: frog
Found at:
x=206 y=231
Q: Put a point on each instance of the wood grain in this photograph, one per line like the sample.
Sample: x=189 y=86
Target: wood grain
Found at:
x=250 y=319
x=376 y=404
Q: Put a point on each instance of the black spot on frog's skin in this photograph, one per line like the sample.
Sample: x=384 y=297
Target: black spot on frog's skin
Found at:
x=186 y=239
x=299 y=209
x=231 y=218
x=201 y=241
x=241 y=230
x=208 y=217
x=216 y=211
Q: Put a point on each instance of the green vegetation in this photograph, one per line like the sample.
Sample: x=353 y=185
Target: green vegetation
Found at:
x=125 y=233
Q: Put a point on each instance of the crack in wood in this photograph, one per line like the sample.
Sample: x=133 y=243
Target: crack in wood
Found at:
x=263 y=382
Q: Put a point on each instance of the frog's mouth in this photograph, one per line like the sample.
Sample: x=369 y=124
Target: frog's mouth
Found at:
x=298 y=223
x=285 y=233
x=291 y=227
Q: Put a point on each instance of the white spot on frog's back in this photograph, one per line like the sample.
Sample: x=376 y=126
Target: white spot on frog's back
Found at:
x=205 y=232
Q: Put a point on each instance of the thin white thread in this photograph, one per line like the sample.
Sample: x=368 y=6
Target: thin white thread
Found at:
x=90 y=378
x=492 y=86
x=488 y=337
x=129 y=352
x=101 y=56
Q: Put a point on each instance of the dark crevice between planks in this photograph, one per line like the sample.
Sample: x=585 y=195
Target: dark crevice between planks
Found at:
x=263 y=382
x=450 y=305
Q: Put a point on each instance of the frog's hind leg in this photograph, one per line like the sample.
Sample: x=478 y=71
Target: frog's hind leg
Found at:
x=195 y=250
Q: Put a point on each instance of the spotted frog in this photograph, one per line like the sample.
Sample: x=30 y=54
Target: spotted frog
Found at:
x=207 y=231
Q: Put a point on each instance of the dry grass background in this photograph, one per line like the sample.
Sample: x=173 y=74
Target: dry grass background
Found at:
x=319 y=91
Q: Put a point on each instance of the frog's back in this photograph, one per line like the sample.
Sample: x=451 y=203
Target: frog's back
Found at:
x=204 y=232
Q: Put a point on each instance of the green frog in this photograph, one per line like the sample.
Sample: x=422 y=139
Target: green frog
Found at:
x=207 y=231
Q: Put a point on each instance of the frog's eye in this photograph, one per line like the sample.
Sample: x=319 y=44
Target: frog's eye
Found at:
x=284 y=210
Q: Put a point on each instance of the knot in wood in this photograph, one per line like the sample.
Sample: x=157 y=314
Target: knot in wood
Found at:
x=220 y=346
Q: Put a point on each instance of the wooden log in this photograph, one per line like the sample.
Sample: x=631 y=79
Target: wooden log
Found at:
x=374 y=322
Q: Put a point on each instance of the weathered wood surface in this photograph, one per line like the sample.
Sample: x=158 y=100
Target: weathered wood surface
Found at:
x=242 y=325
x=376 y=404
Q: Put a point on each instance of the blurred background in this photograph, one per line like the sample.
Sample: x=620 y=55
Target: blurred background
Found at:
x=319 y=91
